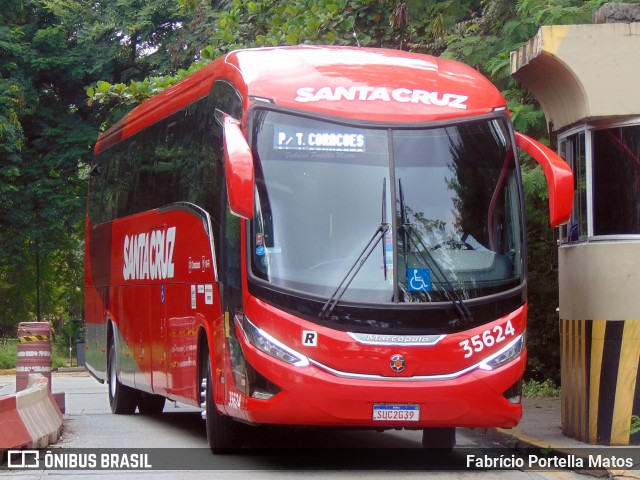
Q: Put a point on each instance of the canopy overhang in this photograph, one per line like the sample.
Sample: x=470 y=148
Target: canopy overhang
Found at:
x=582 y=73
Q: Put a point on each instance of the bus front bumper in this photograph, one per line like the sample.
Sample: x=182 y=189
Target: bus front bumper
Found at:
x=311 y=395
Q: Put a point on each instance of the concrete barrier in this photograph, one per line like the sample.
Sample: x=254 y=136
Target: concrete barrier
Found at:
x=30 y=418
x=13 y=433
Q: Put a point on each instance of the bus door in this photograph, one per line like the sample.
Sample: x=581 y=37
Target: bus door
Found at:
x=158 y=342
x=231 y=293
x=146 y=316
x=139 y=320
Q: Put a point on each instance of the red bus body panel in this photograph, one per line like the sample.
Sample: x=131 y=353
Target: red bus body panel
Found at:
x=162 y=290
x=366 y=84
x=314 y=396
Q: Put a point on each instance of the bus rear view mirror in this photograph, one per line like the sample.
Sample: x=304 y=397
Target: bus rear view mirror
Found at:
x=239 y=169
x=559 y=178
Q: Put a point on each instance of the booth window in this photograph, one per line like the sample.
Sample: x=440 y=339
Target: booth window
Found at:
x=616 y=181
x=572 y=149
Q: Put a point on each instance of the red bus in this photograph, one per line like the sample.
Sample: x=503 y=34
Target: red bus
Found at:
x=315 y=236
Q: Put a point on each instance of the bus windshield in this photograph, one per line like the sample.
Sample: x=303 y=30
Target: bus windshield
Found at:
x=416 y=214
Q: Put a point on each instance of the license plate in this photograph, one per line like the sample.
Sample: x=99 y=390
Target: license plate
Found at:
x=396 y=413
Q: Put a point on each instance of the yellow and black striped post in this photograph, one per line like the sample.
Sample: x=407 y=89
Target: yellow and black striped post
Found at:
x=600 y=391
x=600 y=341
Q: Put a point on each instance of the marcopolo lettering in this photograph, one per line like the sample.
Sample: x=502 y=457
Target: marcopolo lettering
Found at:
x=149 y=255
x=366 y=93
x=399 y=338
x=377 y=339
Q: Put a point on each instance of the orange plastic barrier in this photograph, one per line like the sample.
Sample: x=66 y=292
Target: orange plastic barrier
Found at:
x=34 y=352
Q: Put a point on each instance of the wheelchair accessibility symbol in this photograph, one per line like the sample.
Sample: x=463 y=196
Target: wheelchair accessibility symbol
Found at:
x=419 y=279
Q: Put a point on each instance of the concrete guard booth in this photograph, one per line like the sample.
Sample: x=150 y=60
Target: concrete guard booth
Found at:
x=587 y=79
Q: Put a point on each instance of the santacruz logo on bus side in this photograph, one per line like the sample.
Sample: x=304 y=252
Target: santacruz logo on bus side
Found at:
x=402 y=95
x=149 y=255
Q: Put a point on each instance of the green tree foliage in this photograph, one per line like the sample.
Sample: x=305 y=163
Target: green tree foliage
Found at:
x=50 y=50
x=243 y=23
x=69 y=67
x=43 y=142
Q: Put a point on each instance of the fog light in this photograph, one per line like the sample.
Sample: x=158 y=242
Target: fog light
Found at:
x=514 y=393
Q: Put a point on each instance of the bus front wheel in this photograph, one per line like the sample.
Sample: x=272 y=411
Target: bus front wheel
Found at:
x=223 y=433
x=442 y=438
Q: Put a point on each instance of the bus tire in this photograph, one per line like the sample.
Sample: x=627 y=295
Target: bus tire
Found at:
x=442 y=438
x=122 y=399
x=150 y=404
x=223 y=433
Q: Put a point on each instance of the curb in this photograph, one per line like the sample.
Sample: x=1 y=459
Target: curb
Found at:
x=70 y=369
x=13 y=371
x=30 y=418
x=516 y=440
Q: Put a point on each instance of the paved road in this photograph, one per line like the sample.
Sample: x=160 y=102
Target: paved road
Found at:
x=269 y=454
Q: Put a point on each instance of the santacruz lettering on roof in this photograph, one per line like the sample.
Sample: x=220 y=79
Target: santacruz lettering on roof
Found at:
x=365 y=93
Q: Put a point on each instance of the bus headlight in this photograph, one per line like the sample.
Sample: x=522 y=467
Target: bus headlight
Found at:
x=505 y=355
x=269 y=345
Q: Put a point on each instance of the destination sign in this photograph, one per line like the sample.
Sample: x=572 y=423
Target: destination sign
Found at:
x=306 y=139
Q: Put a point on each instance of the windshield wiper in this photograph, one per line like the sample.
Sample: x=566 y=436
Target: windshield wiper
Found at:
x=378 y=235
x=409 y=236
x=384 y=222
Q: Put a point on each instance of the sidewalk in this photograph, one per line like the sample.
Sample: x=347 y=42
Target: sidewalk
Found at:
x=541 y=428
x=8 y=378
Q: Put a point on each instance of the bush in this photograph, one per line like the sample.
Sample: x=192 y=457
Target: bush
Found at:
x=536 y=389
x=59 y=356
x=635 y=424
x=8 y=353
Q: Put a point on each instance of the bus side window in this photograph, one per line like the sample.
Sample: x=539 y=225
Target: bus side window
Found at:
x=113 y=187
x=98 y=179
x=224 y=97
x=231 y=275
x=227 y=99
